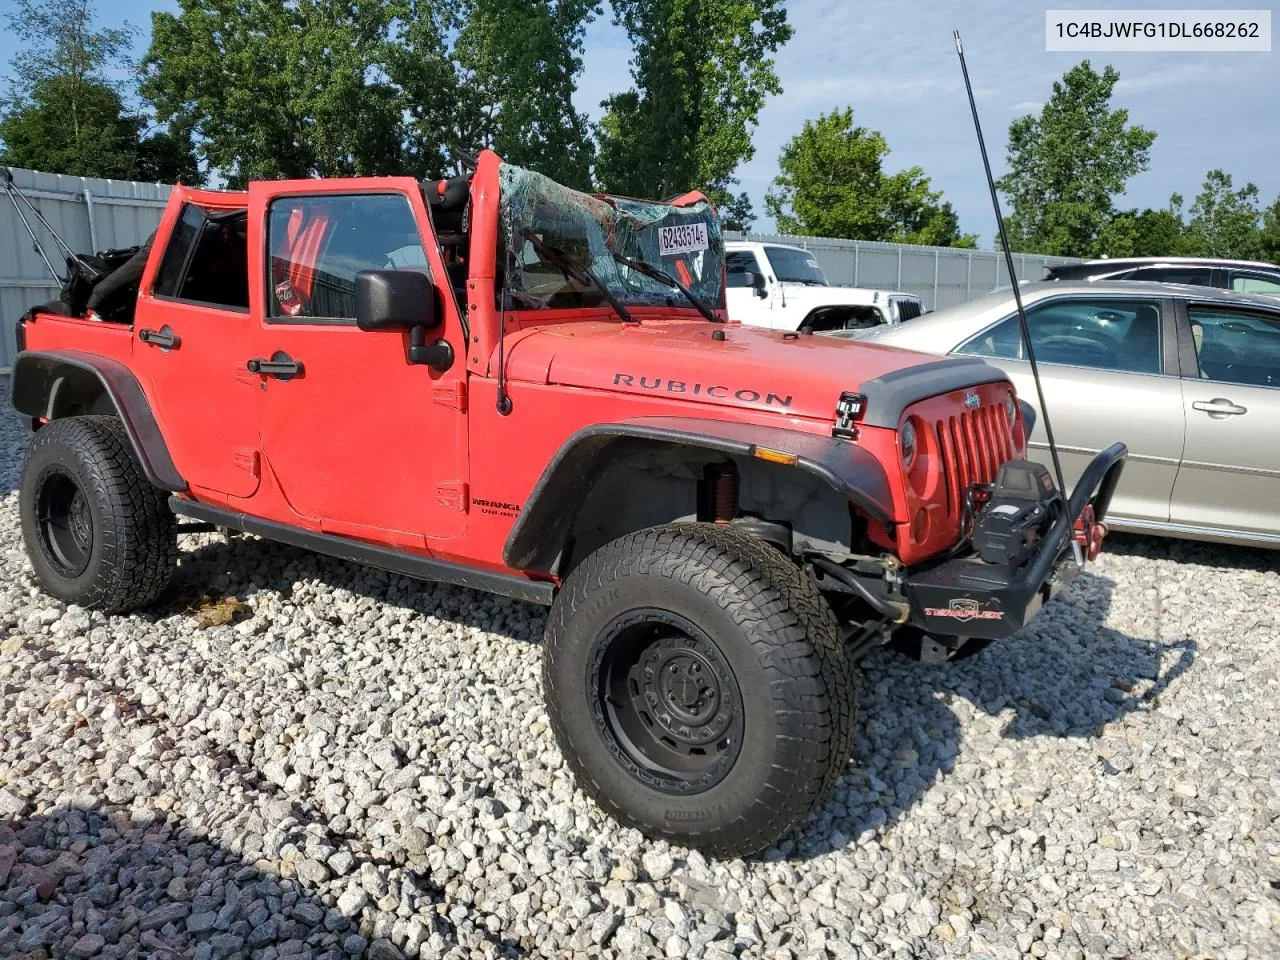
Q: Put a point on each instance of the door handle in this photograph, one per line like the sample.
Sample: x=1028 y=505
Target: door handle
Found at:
x=1219 y=407
x=281 y=366
x=164 y=338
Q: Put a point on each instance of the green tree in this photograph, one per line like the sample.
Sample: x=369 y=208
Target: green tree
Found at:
x=701 y=71
x=832 y=183
x=1149 y=233
x=1225 y=222
x=1067 y=165
x=64 y=113
x=520 y=61
x=1270 y=236
x=281 y=90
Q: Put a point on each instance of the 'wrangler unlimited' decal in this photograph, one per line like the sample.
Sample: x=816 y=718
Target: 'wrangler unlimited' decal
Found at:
x=717 y=391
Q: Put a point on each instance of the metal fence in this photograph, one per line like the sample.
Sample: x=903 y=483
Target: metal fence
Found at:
x=89 y=213
x=940 y=276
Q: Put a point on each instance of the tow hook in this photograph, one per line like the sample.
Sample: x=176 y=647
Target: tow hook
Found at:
x=1087 y=536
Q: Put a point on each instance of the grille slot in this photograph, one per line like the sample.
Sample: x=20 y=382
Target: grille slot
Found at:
x=972 y=448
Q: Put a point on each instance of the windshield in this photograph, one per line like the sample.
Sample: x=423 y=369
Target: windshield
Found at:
x=795 y=266
x=587 y=231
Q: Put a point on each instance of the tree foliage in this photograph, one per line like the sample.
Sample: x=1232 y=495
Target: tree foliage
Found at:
x=1146 y=233
x=1224 y=222
x=701 y=71
x=520 y=61
x=1067 y=165
x=1269 y=240
x=65 y=110
x=832 y=183
x=359 y=87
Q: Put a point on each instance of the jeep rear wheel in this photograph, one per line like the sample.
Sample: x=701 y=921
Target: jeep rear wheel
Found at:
x=697 y=686
x=97 y=532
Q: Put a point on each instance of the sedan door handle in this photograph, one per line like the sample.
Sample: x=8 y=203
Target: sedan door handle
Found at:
x=164 y=338
x=281 y=366
x=1219 y=407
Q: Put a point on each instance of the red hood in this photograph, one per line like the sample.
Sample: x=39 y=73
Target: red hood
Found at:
x=754 y=368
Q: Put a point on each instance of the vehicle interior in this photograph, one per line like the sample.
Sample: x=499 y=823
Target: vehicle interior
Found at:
x=1235 y=347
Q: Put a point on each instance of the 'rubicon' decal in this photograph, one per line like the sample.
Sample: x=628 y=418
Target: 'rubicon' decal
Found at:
x=964 y=609
x=714 y=390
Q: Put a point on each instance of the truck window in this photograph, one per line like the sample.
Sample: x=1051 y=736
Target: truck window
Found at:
x=795 y=266
x=207 y=259
x=737 y=265
x=319 y=243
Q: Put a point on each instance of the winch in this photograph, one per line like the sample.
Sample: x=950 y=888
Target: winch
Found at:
x=1019 y=509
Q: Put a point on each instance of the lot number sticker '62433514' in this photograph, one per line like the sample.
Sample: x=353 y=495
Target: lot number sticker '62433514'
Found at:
x=686 y=238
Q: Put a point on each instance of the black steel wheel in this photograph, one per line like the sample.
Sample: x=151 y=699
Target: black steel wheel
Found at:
x=666 y=701
x=98 y=534
x=64 y=521
x=696 y=684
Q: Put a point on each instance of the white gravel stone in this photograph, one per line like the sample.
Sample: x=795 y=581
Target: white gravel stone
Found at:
x=362 y=765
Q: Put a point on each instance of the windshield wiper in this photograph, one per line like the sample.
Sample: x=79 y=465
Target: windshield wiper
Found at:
x=582 y=275
x=653 y=273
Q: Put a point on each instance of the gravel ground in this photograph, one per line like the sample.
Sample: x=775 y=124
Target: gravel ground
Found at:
x=360 y=765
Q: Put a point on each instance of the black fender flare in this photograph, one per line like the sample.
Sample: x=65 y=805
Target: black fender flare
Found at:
x=46 y=384
x=542 y=527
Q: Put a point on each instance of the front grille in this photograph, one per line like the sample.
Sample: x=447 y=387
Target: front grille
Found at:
x=973 y=447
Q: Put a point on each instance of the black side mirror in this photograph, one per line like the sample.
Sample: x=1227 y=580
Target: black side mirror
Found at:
x=756 y=282
x=395 y=300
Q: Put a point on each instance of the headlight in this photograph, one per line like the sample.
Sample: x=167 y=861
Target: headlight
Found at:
x=1011 y=409
x=907 y=441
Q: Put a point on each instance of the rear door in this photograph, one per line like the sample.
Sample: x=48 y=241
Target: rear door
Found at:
x=1230 y=475
x=1108 y=364
x=359 y=440
x=191 y=332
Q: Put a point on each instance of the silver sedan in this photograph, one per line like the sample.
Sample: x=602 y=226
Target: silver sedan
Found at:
x=1188 y=377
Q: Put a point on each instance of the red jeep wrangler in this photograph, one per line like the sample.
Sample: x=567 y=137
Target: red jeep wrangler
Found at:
x=498 y=382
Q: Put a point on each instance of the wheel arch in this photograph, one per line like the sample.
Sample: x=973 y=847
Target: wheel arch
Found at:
x=542 y=538
x=51 y=385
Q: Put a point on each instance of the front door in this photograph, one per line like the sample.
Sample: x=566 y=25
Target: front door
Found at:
x=1108 y=365
x=1230 y=475
x=191 y=331
x=358 y=439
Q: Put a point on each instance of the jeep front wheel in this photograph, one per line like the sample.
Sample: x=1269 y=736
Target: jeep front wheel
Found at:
x=97 y=532
x=697 y=687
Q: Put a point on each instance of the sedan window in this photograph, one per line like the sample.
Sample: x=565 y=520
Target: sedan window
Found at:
x=1103 y=333
x=1255 y=283
x=1236 y=346
x=1196 y=276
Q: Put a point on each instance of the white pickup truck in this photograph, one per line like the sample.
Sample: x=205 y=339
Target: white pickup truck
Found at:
x=783 y=288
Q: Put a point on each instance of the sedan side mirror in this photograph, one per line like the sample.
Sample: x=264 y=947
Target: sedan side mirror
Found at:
x=395 y=300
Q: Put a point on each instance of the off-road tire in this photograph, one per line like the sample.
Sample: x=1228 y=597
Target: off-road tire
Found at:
x=779 y=638
x=128 y=554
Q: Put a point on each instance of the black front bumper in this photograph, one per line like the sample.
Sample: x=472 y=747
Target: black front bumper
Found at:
x=966 y=597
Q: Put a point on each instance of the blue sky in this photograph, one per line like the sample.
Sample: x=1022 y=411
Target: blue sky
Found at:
x=894 y=63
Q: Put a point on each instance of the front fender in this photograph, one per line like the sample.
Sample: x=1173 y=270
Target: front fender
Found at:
x=56 y=383
x=541 y=529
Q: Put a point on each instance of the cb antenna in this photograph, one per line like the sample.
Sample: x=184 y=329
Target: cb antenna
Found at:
x=1013 y=276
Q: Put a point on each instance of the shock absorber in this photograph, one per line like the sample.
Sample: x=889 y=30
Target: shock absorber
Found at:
x=721 y=492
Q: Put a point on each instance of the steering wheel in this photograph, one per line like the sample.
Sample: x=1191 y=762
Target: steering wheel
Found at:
x=1084 y=349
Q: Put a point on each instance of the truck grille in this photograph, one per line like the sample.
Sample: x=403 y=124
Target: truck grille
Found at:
x=973 y=446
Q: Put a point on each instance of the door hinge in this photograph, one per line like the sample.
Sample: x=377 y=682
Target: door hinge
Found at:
x=246 y=459
x=453 y=494
x=452 y=395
